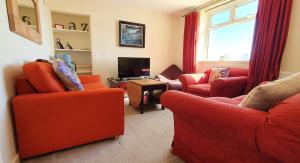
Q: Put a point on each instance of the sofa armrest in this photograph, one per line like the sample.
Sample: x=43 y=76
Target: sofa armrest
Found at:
x=190 y=79
x=228 y=87
x=213 y=118
x=54 y=121
x=89 y=79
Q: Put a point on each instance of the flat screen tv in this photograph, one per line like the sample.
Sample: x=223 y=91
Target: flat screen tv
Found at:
x=133 y=67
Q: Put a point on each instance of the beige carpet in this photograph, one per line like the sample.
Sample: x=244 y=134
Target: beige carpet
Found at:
x=147 y=139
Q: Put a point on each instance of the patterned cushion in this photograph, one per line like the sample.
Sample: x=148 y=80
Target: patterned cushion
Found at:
x=66 y=58
x=69 y=78
x=217 y=73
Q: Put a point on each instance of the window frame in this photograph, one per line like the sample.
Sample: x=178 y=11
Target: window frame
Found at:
x=232 y=6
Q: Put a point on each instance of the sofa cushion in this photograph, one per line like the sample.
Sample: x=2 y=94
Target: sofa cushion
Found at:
x=217 y=73
x=67 y=76
x=66 y=58
x=42 y=77
x=202 y=89
x=267 y=95
x=172 y=72
x=93 y=86
x=236 y=72
x=23 y=86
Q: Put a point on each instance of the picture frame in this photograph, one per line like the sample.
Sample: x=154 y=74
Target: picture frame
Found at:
x=131 y=34
x=59 y=26
x=18 y=26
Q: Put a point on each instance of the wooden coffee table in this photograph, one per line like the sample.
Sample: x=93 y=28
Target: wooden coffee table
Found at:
x=136 y=90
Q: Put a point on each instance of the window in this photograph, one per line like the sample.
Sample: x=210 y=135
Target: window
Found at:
x=230 y=31
x=220 y=18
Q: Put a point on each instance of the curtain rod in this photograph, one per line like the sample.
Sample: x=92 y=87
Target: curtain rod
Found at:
x=205 y=5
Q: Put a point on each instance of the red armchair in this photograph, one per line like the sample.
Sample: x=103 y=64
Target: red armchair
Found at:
x=217 y=129
x=232 y=86
x=47 y=122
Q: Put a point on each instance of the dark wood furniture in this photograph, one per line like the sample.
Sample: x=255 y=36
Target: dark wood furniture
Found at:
x=115 y=83
x=139 y=90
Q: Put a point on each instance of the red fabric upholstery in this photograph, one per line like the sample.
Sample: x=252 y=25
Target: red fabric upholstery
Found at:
x=270 y=37
x=92 y=86
x=203 y=89
x=278 y=137
x=42 y=77
x=23 y=86
x=226 y=100
x=218 y=130
x=232 y=86
x=228 y=87
x=191 y=29
x=47 y=122
x=192 y=79
x=90 y=79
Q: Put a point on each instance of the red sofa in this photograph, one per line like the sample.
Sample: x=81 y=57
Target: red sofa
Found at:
x=232 y=86
x=47 y=122
x=217 y=129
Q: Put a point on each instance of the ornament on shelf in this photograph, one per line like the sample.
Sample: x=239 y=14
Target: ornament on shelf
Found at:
x=59 y=44
x=84 y=26
x=69 y=46
x=72 y=26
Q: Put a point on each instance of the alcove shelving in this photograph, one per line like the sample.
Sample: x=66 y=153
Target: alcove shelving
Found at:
x=75 y=30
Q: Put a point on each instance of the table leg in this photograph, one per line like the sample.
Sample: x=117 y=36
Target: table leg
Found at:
x=142 y=103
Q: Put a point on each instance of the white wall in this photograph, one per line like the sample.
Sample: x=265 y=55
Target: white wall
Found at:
x=291 y=57
x=161 y=34
x=14 y=51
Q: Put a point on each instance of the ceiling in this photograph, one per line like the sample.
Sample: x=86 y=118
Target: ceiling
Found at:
x=174 y=7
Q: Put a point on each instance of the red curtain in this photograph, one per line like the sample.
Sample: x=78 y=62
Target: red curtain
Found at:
x=271 y=31
x=190 y=42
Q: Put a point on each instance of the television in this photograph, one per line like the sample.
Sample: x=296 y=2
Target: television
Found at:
x=133 y=67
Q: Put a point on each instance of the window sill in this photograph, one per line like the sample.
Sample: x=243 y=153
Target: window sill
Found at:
x=205 y=62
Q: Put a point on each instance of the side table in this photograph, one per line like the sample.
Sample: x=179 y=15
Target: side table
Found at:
x=136 y=92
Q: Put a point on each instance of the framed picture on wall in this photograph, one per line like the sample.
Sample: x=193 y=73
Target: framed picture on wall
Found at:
x=131 y=34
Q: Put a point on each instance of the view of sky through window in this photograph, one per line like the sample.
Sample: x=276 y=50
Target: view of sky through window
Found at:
x=232 y=42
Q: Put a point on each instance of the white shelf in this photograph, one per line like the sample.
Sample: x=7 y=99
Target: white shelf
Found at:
x=84 y=66
x=72 y=50
x=69 y=31
x=84 y=72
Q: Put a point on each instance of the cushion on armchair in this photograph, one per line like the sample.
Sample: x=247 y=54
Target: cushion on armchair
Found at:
x=217 y=73
x=172 y=72
x=216 y=82
x=171 y=76
x=42 y=77
x=267 y=95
